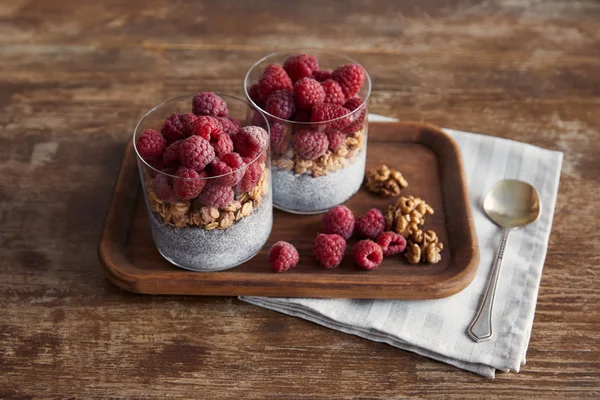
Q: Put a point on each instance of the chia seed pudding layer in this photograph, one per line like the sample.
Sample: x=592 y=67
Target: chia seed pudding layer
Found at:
x=199 y=249
x=305 y=194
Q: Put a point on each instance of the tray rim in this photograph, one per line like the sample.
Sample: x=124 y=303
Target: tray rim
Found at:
x=128 y=276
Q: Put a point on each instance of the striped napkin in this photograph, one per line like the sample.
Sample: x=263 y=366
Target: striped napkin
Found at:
x=437 y=328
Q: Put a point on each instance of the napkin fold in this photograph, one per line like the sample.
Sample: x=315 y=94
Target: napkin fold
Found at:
x=437 y=328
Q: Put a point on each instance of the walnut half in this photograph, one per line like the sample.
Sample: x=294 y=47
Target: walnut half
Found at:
x=384 y=181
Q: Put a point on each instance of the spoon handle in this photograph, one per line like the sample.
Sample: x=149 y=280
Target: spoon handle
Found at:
x=481 y=327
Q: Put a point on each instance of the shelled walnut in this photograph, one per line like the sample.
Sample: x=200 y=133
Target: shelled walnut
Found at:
x=384 y=181
x=423 y=246
x=407 y=215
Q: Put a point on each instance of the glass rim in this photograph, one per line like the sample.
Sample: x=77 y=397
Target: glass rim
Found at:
x=191 y=96
x=305 y=50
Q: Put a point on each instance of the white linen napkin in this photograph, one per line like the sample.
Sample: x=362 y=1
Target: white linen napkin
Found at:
x=437 y=328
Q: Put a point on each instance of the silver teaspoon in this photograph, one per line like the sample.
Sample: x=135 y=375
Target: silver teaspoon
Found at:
x=511 y=204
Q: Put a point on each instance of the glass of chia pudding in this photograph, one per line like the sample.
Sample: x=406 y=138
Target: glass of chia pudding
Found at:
x=316 y=105
x=205 y=171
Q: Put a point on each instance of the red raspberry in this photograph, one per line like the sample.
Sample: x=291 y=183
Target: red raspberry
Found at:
x=333 y=92
x=339 y=220
x=231 y=166
x=391 y=243
x=329 y=249
x=358 y=117
x=254 y=95
x=252 y=175
x=283 y=256
x=336 y=139
x=172 y=129
x=196 y=153
x=187 y=123
x=221 y=143
x=158 y=165
x=322 y=75
x=230 y=125
x=257 y=119
x=204 y=126
x=215 y=195
x=300 y=66
x=327 y=112
x=189 y=183
x=208 y=103
x=279 y=138
x=281 y=104
x=350 y=77
x=274 y=78
x=250 y=141
x=171 y=154
x=310 y=144
x=150 y=145
x=163 y=189
x=303 y=115
x=367 y=254
x=370 y=225
x=309 y=92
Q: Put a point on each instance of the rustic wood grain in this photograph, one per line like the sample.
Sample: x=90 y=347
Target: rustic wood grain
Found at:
x=431 y=161
x=75 y=77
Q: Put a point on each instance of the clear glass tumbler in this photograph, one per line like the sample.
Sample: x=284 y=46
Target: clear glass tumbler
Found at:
x=229 y=217
x=314 y=185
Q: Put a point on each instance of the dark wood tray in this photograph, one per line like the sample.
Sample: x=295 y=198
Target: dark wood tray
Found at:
x=428 y=158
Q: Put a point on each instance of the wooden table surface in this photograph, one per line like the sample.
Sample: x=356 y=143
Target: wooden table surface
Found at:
x=76 y=75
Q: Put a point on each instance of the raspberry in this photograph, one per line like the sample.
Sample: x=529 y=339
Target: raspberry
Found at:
x=158 y=165
x=251 y=176
x=230 y=125
x=187 y=123
x=300 y=66
x=367 y=254
x=254 y=95
x=322 y=75
x=208 y=103
x=189 y=183
x=303 y=115
x=339 y=220
x=283 y=256
x=309 y=92
x=336 y=139
x=350 y=77
x=215 y=195
x=274 y=78
x=327 y=112
x=163 y=189
x=310 y=144
x=150 y=145
x=333 y=92
x=172 y=129
x=171 y=154
x=231 y=166
x=279 y=139
x=358 y=117
x=391 y=243
x=205 y=125
x=250 y=141
x=370 y=225
x=257 y=119
x=329 y=249
x=196 y=153
x=281 y=104
x=221 y=143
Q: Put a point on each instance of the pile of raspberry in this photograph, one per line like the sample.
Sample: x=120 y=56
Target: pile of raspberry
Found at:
x=337 y=227
x=204 y=154
x=300 y=91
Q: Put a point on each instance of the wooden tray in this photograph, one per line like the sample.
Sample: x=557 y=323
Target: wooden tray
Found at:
x=430 y=161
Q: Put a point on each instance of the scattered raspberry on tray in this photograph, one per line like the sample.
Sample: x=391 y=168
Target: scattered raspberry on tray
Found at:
x=209 y=103
x=329 y=249
x=370 y=225
x=150 y=145
x=391 y=243
x=300 y=66
x=367 y=254
x=283 y=256
x=333 y=92
x=350 y=77
x=196 y=153
x=309 y=93
x=339 y=220
x=281 y=104
x=310 y=144
x=188 y=183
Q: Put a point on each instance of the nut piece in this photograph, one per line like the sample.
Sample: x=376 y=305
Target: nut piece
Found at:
x=424 y=247
x=413 y=253
x=247 y=209
x=384 y=181
x=407 y=215
x=226 y=220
